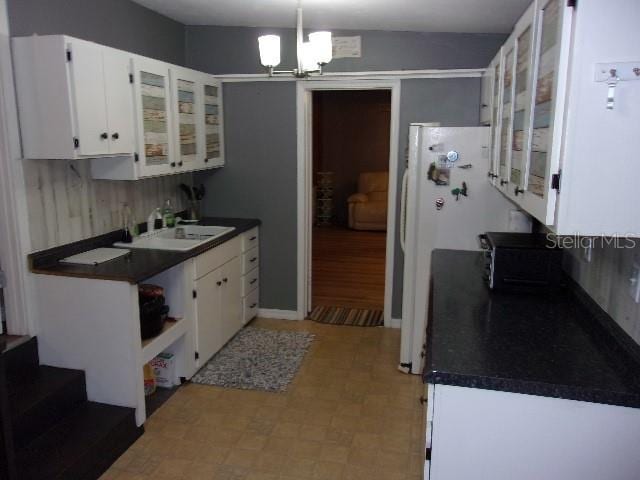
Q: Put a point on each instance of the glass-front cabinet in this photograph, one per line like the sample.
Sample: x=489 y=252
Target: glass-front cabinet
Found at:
x=486 y=92
x=154 y=120
x=520 y=127
x=528 y=105
x=213 y=133
x=547 y=104
x=506 y=119
x=178 y=117
x=495 y=69
x=187 y=103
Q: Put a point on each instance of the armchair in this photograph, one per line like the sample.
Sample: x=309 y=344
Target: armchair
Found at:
x=368 y=207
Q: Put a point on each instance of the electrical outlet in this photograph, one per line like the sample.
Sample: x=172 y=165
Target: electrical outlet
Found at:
x=634 y=282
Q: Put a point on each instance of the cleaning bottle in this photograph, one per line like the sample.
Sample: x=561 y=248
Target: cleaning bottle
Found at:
x=168 y=217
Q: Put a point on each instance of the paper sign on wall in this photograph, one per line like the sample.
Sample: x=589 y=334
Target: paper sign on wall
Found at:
x=347 y=47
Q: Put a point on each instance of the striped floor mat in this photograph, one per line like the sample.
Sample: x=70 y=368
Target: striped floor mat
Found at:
x=347 y=316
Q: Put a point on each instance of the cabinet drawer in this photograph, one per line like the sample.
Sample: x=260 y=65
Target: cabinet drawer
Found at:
x=214 y=258
x=250 y=260
x=250 y=239
x=250 y=306
x=250 y=281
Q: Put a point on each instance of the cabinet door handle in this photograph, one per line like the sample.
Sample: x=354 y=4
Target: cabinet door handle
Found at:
x=218 y=283
x=253 y=281
x=253 y=259
x=115 y=136
x=180 y=163
x=252 y=239
x=518 y=191
x=173 y=164
x=253 y=305
x=423 y=400
x=206 y=160
x=503 y=182
x=225 y=280
x=104 y=135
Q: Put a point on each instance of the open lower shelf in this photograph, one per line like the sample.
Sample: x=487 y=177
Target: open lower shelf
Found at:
x=171 y=332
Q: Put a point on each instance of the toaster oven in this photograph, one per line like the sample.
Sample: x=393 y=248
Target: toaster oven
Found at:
x=521 y=261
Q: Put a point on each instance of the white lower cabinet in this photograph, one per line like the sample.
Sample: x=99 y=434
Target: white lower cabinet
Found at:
x=208 y=315
x=486 y=434
x=250 y=274
x=230 y=294
x=217 y=295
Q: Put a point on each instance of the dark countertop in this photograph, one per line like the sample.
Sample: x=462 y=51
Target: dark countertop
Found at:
x=555 y=345
x=136 y=267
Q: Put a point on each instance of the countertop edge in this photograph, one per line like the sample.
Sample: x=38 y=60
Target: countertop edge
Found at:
x=538 y=389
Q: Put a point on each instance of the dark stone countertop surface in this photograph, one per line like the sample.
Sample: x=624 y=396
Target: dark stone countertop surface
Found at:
x=135 y=267
x=558 y=345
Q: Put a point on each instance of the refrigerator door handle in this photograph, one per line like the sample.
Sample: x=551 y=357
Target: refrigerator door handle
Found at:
x=403 y=210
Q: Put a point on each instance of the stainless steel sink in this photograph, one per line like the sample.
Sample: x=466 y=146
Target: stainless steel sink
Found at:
x=181 y=238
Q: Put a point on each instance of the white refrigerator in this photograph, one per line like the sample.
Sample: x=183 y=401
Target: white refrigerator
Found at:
x=447 y=201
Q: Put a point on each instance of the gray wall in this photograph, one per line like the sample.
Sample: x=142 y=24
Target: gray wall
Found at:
x=453 y=102
x=380 y=50
x=259 y=179
x=267 y=157
x=116 y=23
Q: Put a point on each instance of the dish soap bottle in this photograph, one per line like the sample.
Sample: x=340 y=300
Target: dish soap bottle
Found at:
x=168 y=217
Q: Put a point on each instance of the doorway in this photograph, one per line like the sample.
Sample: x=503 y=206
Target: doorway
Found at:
x=347 y=142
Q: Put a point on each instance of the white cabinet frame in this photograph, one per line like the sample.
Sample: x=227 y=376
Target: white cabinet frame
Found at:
x=543 y=208
x=144 y=65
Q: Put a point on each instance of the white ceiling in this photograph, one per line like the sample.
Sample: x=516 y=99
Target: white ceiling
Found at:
x=472 y=16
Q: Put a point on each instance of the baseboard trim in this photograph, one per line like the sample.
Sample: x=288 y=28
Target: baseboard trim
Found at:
x=281 y=314
x=396 y=322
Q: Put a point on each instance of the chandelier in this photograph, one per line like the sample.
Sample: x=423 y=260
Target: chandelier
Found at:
x=312 y=55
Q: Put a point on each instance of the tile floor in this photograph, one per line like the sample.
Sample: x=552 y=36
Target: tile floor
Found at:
x=349 y=414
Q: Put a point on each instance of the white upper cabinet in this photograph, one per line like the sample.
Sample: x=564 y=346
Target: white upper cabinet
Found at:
x=553 y=135
x=523 y=37
x=213 y=127
x=197 y=107
x=187 y=114
x=156 y=153
x=119 y=94
x=506 y=114
x=486 y=88
x=547 y=104
x=134 y=117
x=86 y=68
x=495 y=67
x=74 y=98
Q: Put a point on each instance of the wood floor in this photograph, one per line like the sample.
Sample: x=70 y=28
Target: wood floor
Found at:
x=348 y=268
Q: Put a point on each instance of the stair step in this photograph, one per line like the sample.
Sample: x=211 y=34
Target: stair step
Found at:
x=21 y=359
x=82 y=446
x=41 y=400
